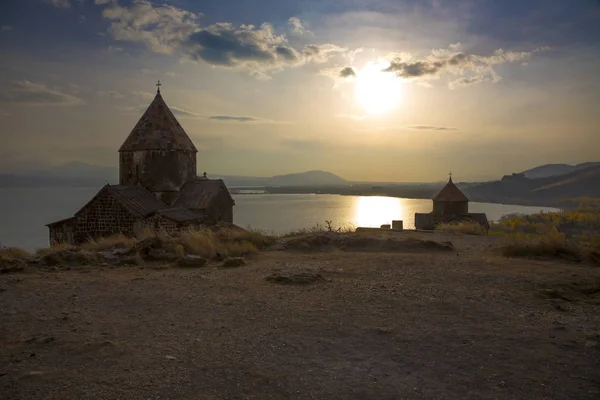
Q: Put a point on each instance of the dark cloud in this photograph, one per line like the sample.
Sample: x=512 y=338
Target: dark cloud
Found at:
x=232 y=118
x=457 y=63
x=347 y=72
x=422 y=68
x=168 y=29
x=31 y=93
x=432 y=128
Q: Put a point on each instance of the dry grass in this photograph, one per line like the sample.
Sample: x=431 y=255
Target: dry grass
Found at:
x=110 y=242
x=210 y=244
x=10 y=255
x=54 y=248
x=328 y=227
x=466 y=227
x=545 y=248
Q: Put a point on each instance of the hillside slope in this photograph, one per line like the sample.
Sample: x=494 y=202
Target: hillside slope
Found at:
x=541 y=191
x=549 y=170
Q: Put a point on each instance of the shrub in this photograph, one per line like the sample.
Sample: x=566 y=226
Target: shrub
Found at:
x=466 y=227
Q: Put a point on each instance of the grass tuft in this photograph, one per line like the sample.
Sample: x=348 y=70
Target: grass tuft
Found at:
x=54 y=248
x=109 y=242
x=11 y=255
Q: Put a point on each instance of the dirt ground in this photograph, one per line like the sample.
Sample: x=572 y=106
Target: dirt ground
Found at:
x=463 y=324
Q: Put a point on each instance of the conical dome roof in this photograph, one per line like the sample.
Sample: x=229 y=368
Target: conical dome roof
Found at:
x=450 y=193
x=158 y=129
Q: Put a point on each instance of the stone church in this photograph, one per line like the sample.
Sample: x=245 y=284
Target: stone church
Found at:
x=449 y=205
x=158 y=187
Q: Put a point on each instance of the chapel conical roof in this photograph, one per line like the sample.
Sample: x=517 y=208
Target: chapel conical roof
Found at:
x=450 y=192
x=158 y=129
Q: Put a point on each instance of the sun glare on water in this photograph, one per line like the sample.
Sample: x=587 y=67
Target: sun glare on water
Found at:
x=377 y=91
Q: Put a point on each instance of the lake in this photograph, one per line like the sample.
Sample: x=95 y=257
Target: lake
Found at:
x=24 y=212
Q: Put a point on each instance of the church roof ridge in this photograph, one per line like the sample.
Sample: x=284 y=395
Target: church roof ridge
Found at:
x=158 y=129
x=450 y=192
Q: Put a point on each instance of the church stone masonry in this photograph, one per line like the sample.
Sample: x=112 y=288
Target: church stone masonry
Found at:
x=158 y=187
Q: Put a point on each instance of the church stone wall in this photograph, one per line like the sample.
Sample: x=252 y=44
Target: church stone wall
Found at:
x=158 y=223
x=157 y=170
x=221 y=209
x=105 y=216
x=450 y=208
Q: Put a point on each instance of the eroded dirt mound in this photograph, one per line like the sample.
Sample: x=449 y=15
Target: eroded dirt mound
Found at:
x=363 y=243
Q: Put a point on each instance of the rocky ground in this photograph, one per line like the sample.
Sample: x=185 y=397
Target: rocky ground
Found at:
x=314 y=318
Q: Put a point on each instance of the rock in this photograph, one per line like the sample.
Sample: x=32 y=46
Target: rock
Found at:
x=234 y=262
x=155 y=248
x=190 y=260
x=74 y=256
x=299 y=278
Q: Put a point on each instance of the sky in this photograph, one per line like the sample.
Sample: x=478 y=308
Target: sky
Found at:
x=381 y=90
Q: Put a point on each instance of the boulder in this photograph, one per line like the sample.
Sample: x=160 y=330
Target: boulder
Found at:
x=191 y=261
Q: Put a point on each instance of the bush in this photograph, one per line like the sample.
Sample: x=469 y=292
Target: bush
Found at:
x=544 y=249
x=466 y=227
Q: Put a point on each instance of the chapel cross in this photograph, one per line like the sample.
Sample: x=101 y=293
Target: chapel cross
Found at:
x=158 y=85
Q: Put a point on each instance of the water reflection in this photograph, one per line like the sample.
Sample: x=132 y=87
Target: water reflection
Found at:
x=374 y=211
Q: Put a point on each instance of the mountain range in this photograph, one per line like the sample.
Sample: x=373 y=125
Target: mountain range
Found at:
x=548 y=170
x=78 y=173
x=548 y=190
x=541 y=185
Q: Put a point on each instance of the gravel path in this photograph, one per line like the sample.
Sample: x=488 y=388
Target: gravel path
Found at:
x=458 y=325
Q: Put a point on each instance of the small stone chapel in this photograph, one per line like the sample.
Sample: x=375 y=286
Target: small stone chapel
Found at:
x=449 y=205
x=158 y=187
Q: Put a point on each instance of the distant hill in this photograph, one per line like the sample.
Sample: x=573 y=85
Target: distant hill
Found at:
x=539 y=191
x=79 y=170
x=79 y=173
x=548 y=170
x=309 y=178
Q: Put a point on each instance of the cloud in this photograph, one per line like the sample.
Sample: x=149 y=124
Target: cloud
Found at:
x=111 y=94
x=180 y=112
x=5 y=28
x=144 y=95
x=347 y=72
x=59 y=3
x=298 y=28
x=101 y=2
x=468 y=81
x=432 y=128
x=456 y=63
x=231 y=118
x=162 y=28
x=167 y=29
x=30 y=93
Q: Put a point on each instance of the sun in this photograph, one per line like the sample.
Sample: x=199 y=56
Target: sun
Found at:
x=376 y=91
